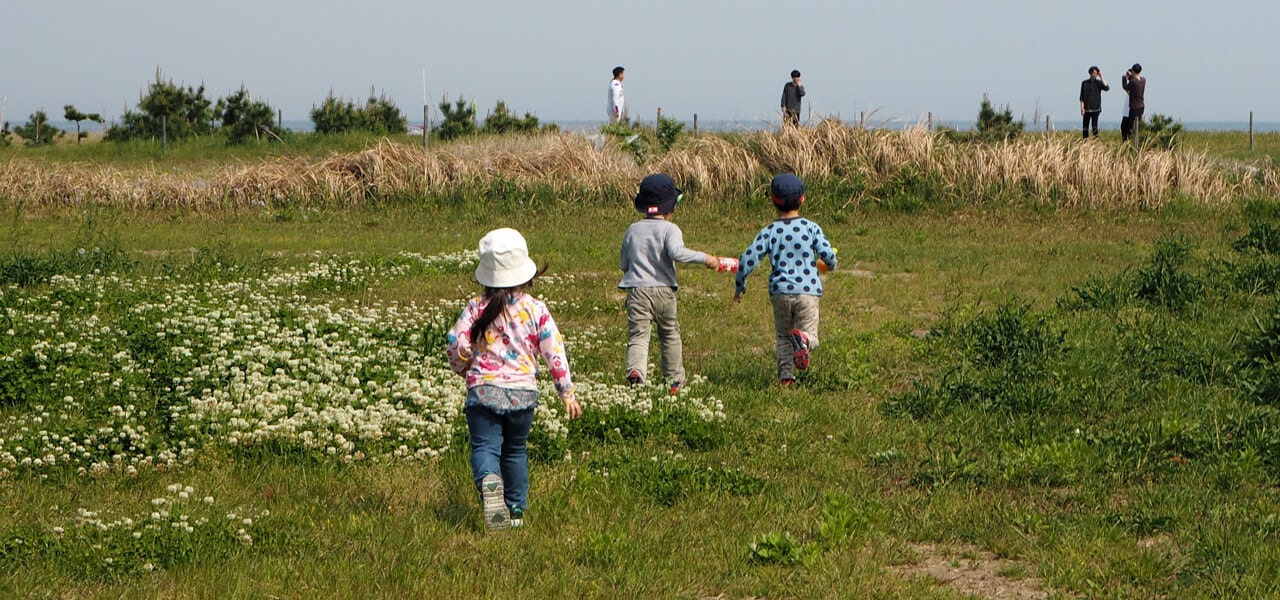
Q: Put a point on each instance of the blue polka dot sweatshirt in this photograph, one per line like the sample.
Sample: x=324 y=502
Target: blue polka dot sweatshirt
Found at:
x=793 y=247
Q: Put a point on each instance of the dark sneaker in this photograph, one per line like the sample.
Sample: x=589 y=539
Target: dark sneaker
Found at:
x=675 y=387
x=517 y=516
x=634 y=378
x=495 y=507
x=800 y=342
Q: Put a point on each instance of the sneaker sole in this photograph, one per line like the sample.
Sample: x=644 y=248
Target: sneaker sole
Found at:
x=801 y=346
x=496 y=516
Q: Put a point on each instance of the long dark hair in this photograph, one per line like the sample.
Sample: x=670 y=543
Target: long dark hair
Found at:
x=496 y=301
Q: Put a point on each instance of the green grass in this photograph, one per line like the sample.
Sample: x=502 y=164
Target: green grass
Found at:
x=1062 y=414
x=196 y=154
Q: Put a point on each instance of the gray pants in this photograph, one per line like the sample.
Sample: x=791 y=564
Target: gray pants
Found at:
x=648 y=306
x=793 y=311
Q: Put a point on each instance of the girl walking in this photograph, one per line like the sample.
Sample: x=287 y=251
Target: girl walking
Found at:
x=495 y=346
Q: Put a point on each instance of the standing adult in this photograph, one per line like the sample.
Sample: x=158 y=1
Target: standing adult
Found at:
x=792 y=92
x=1136 y=86
x=1091 y=99
x=617 y=103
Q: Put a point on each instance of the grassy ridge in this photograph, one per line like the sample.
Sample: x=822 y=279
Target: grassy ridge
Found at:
x=904 y=169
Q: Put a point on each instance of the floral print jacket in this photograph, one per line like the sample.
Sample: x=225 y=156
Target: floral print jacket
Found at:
x=507 y=355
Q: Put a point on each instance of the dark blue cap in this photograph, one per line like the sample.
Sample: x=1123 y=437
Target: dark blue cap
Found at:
x=787 y=191
x=658 y=195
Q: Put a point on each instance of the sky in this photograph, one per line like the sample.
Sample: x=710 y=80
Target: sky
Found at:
x=721 y=59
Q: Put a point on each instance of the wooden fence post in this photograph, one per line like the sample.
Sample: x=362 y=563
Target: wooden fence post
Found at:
x=1251 y=130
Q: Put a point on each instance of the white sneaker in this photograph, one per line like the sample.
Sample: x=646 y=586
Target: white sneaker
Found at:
x=493 y=503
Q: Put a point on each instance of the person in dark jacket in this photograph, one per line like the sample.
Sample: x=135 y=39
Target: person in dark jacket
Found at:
x=792 y=92
x=1136 y=85
x=1091 y=99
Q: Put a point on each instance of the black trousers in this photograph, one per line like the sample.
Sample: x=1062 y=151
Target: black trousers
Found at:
x=1091 y=117
x=1129 y=121
x=790 y=117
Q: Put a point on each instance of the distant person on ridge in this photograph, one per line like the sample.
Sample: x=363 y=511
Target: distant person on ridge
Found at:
x=1136 y=85
x=1091 y=99
x=792 y=92
x=617 y=104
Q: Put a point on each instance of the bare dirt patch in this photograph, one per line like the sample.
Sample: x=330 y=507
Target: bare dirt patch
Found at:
x=970 y=570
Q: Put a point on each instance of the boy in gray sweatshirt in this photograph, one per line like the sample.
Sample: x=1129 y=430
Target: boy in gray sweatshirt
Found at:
x=650 y=250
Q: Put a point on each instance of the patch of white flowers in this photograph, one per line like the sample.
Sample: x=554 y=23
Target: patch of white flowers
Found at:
x=159 y=534
x=103 y=373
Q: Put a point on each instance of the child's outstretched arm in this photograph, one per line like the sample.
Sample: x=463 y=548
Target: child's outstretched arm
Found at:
x=683 y=254
x=551 y=346
x=748 y=262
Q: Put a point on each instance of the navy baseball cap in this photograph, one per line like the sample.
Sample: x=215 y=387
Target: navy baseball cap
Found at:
x=658 y=195
x=786 y=191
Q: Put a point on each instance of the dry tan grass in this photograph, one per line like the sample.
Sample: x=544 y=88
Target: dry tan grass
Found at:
x=1037 y=170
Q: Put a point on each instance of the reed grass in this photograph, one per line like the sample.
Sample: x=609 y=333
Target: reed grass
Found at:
x=1056 y=171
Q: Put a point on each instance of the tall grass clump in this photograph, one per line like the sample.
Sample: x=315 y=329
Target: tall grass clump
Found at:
x=1050 y=171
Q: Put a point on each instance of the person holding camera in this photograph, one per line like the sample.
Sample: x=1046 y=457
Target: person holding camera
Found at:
x=1091 y=99
x=1136 y=86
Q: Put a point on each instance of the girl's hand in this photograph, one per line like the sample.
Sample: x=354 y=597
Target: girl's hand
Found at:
x=571 y=407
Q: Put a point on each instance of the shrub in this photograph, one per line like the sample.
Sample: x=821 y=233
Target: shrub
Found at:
x=501 y=121
x=166 y=110
x=1162 y=131
x=994 y=125
x=669 y=131
x=379 y=115
x=459 y=119
x=244 y=118
x=37 y=131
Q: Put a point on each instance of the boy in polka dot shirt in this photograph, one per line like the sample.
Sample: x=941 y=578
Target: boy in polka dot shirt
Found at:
x=793 y=245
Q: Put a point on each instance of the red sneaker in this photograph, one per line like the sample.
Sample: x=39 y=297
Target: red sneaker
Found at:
x=800 y=342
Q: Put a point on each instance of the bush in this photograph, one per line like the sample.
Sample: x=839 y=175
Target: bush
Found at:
x=166 y=110
x=38 y=131
x=244 y=118
x=669 y=131
x=1161 y=131
x=459 y=119
x=379 y=115
x=993 y=126
x=501 y=121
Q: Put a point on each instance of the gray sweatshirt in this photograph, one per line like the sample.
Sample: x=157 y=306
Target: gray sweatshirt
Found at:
x=650 y=250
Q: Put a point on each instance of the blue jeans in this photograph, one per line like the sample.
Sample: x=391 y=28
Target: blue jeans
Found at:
x=499 y=445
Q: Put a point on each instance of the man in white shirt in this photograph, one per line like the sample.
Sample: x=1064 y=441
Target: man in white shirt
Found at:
x=617 y=104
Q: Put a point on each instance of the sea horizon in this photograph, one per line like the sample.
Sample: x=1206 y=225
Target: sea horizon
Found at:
x=761 y=124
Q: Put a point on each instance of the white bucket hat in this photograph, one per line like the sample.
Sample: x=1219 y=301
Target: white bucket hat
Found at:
x=504 y=259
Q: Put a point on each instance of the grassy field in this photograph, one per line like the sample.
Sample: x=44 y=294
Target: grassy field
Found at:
x=1049 y=402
